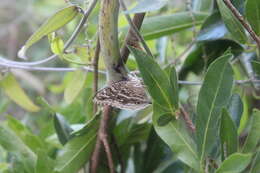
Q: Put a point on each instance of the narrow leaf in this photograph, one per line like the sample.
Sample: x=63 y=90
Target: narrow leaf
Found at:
x=55 y=22
x=228 y=134
x=256 y=67
x=155 y=27
x=214 y=95
x=176 y=136
x=13 y=90
x=231 y=22
x=62 y=128
x=75 y=86
x=235 y=163
x=147 y=5
x=253 y=14
x=44 y=163
x=174 y=85
x=202 y=5
x=77 y=151
x=156 y=80
x=254 y=135
x=235 y=108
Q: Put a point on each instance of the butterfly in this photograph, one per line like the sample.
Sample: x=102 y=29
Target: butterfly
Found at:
x=126 y=94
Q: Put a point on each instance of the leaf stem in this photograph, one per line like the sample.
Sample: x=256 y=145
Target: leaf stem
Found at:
x=243 y=22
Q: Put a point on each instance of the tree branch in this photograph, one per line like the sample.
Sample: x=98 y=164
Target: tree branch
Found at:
x=135 y=29
x=131 y=38
x=243 y=22
x=95 y=66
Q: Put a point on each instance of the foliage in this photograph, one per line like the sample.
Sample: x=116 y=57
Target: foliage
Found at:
x=48 y=122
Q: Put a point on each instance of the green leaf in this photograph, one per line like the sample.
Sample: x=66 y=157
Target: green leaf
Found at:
x=147 y=5
x=253 y=14
x=13 y=90
x=78 y=150
x=253 y=135
x=62 y=128
x=176 y=136
x=55 y=22
x=28 y=138
x=214 y=95
x=57 y=44
x=156 y=80
x=256 y=67
x=235 y=163
x=75 y=86
x=255 y=166
x=44 y=163
x=228 y=134
x=175 y=86
x=231 y=22
x=202 y=5
x=12 y=143
x=235 y=108
x=165 y=119
x=155 y=27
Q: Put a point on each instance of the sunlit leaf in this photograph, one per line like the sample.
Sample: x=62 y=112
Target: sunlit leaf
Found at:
x=55 y=22
x=13 y=90
x=75 y=86
x=214 y=95
x=57 y=44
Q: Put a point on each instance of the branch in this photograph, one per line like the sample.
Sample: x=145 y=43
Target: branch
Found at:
x=135 y=29
x=95 y=65
x=243 y=22
x=131 y=38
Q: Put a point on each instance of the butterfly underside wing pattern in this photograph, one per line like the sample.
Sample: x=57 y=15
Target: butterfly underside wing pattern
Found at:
x=127 y=94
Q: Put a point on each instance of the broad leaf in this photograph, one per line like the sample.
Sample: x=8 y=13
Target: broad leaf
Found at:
x=212 y=29
x=228 y=134
x=255 y=166
x=12 y=143
x=44 y=163
x=256 y=67
x=253 y=14
x=55 y=22
x=13 y=90
x=147 y=5
x=176 y=136
x=235 y=163
x=78 y=150
x=231 y=22
x=214 y=95
x=75 y=86
x=62 y=128
x=155 y=27
x=235 y=108
x=156 y=80
x=253 y=135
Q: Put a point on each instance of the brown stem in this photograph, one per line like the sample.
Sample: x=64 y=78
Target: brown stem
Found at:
x=102 y=139
x=243 y=22
x=95 y=66
x=131 y=38
x=187 y=119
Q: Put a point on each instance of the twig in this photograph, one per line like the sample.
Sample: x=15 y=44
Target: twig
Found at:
x=95 y=156
x=243 y=22
x=135 y=29
x=49 y=69
x=131 y=37
x=95 y=66
x=187 y=119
